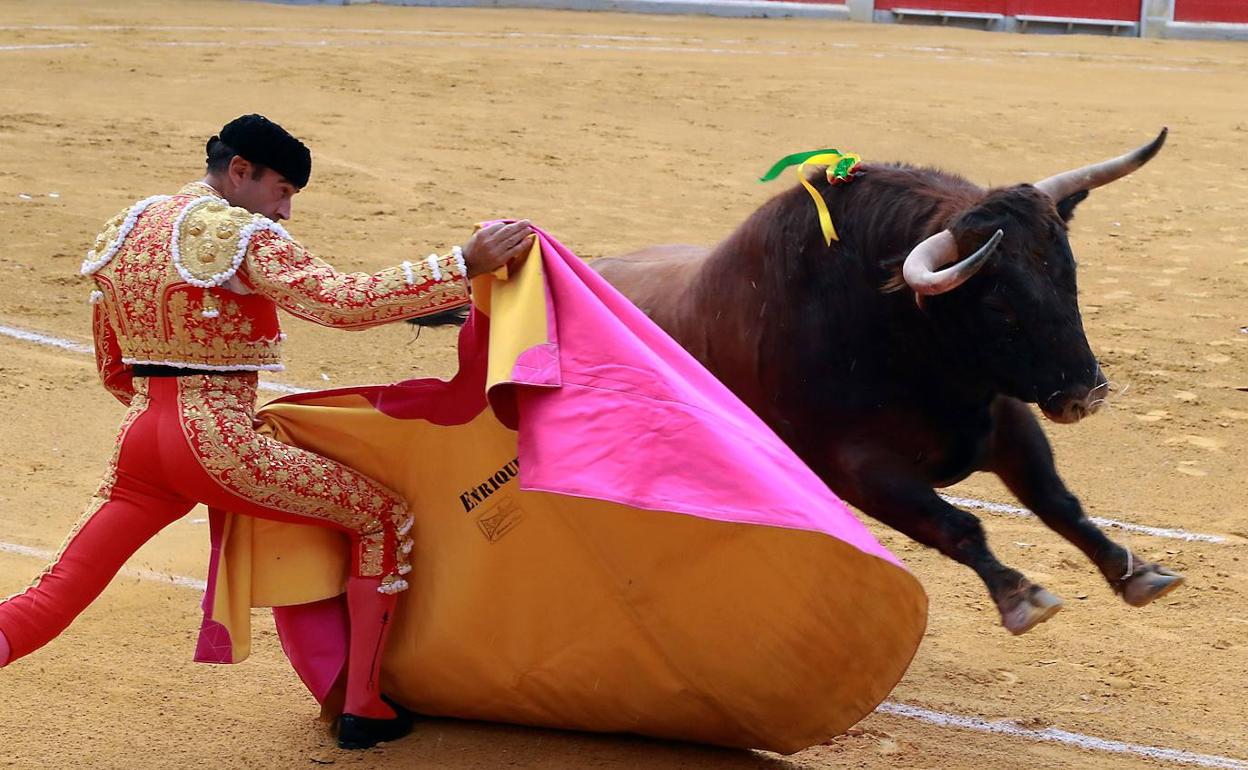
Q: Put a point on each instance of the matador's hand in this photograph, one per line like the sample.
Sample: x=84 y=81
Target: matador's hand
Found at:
x=492 y=247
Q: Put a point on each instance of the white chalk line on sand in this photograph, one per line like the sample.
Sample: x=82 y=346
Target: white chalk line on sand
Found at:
x=937 y=718
x=42 y=46
x=137 y=572
x=983 y=505
x=472 y=44
x=344 y=31
x=1055 y=735
x=721 y=46
x=77 y=347
x=1100 y=521
x=43 y=339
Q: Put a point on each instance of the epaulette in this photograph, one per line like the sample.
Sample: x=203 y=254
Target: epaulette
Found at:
x=114 y=234
x=210 y=240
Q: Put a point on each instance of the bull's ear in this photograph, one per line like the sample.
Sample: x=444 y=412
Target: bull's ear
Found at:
x=1066 y=206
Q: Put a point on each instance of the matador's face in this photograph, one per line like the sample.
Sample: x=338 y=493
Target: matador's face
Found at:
x=267 y=193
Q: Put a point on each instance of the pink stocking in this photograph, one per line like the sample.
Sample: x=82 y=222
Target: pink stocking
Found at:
x=372 y=614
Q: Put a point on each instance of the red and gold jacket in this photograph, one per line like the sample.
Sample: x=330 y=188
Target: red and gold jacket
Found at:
x=187 y=280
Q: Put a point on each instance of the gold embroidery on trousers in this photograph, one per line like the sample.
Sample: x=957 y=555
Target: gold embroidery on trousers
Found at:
x=216 y=416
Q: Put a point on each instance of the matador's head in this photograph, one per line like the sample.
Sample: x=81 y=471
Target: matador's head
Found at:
x=257 y=165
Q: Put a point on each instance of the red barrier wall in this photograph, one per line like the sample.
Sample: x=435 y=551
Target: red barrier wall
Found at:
x=1234 y=11
x=981 y=6
x=1124 y=10
x=1128 y=10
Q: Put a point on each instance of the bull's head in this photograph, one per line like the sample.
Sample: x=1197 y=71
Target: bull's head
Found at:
x=1021 y=310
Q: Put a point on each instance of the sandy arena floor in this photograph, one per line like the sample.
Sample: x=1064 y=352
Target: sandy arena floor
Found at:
x=614 y=132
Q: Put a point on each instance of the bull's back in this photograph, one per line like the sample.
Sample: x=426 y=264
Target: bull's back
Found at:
x=655 y=279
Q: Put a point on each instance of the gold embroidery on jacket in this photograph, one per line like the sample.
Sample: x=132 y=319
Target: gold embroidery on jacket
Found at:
x=309 y=287
x=113 y=374
x=106 y=237
x=160 y=318
x=208 y=238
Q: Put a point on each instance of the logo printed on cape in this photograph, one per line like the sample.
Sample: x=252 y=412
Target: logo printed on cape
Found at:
x=500 y=519
x=481 y=492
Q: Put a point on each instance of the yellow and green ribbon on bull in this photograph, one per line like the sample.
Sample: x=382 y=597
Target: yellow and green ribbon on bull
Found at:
x=840 y=165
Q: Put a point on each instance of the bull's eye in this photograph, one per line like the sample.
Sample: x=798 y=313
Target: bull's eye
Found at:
x=1001 y=310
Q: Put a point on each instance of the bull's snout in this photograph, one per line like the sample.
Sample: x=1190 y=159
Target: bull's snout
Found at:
x=1074 y=402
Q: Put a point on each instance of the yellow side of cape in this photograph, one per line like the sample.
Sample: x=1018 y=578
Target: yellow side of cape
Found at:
x=551 y=610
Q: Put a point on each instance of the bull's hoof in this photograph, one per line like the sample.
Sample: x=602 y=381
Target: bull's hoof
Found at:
x=1148 y=583
x=1031 y=609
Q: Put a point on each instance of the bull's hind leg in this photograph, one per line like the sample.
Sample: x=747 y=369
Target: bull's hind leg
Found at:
x=1020 y=455
x=889 y=491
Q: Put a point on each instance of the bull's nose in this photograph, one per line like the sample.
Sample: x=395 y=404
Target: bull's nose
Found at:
x=1070 y=411
x=1073 y=404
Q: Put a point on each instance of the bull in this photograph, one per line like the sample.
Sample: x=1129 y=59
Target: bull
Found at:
x=902 y=357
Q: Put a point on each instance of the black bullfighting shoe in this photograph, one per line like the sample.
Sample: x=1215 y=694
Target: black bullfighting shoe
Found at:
x=356 y=732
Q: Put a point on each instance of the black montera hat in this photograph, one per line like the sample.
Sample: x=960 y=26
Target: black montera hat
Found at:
x=262 y=141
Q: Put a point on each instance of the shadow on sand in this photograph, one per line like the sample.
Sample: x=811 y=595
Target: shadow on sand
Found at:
x=459 y=745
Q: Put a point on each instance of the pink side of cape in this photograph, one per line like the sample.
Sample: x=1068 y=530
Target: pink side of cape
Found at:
x=214 y=644
x=639 y=421
x=616 y=410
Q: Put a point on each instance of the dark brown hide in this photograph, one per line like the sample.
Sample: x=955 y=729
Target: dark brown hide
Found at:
x=887 y=398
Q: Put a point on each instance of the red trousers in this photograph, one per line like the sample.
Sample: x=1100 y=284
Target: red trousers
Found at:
x=189 y=440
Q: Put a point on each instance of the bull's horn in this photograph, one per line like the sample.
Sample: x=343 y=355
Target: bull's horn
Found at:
x=1068 y=183
x=922 y=267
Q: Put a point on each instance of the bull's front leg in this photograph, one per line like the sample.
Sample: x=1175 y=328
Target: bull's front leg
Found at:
x=1020 y=455
x=886 y=488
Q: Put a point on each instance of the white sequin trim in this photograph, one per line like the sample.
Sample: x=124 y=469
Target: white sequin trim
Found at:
x=408 y=275
x=244 y=238
x=407 y=527
x=96 y=297
x=458 y=254
x=93 y=262
x=406 y=568
x=406 y=548
x=392 y=588
x=434 y=267
x=207 y=368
